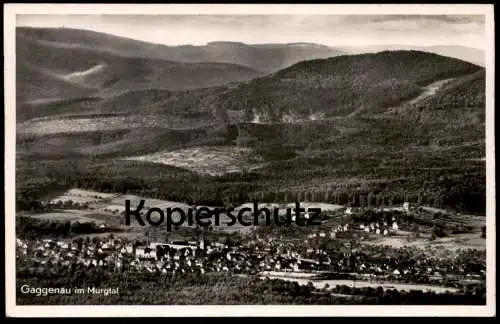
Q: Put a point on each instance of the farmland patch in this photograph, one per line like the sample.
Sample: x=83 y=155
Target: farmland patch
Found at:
x=217 y=160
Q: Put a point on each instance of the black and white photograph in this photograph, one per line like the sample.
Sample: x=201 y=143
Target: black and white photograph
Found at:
x=232 y=156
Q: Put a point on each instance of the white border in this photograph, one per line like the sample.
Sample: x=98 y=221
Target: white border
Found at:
x=10 y=11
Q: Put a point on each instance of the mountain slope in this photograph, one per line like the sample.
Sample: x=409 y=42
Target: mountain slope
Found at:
x=339 y=86
x=467 y=91
x=468 y=54
x=51 y=72
x=36 y=84
x=262 y=57
x=459 y=102
x=195 y=103
x=425 y=152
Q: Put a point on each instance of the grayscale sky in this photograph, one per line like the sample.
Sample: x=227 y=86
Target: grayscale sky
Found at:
x=339 y=30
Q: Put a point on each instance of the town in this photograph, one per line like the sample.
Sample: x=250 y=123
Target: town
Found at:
x=321 y=253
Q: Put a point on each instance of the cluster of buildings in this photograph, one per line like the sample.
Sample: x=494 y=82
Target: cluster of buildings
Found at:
x=377 y=228
x=258 y=254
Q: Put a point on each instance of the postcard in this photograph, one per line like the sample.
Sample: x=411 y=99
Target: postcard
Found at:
x=237 y=160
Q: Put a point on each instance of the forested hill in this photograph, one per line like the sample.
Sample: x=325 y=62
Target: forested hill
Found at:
x=47 y=71
x=262 y=57
x=341 y=85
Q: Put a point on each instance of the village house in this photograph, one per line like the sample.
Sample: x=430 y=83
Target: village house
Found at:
x=395 y=226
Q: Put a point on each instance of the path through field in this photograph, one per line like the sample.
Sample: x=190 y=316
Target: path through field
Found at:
x=429 y=90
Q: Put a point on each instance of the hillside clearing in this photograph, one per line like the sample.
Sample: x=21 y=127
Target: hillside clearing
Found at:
x=204 y=160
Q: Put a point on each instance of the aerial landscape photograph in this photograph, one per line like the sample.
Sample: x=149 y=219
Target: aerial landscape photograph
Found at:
x=162 y=159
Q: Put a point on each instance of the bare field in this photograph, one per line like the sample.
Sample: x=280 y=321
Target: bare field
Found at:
x=109 y=210
x=204 y=160
x=89 y=193
x=82 y=196
x=449 y=243
x=149 y=202
x=69 y=215
x=81 y=124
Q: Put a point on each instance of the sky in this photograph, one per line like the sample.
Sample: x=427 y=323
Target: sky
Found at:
x=331 y=30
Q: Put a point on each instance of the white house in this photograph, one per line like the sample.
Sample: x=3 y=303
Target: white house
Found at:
x=406 y=206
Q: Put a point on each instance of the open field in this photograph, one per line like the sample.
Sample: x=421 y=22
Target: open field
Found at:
x=120 y=200
x=80 y=196
x=319 y=284
x=75 y=192
x=109 y=209
x=454 y=242
x=70 y=215
x=205 y=160
x=96 y=123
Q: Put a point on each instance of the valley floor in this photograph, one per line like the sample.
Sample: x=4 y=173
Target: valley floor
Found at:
x=399 y=262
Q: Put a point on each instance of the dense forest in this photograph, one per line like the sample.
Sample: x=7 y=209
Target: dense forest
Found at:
x=34 y=228
x=341 y=85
